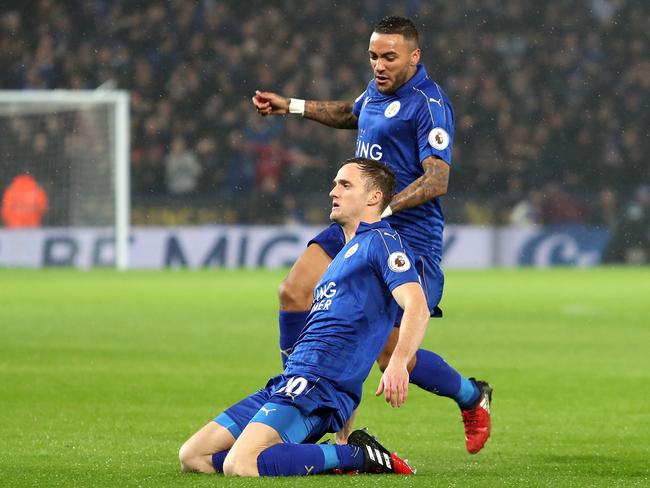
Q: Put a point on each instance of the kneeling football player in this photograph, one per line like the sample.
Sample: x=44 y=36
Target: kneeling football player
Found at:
x=273 y=431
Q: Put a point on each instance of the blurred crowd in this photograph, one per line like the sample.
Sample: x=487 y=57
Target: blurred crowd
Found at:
x=551 y=99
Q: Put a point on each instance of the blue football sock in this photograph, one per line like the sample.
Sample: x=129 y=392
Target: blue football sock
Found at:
x=291 y=325
x=468 y=394
x=217 y=460
x=349 y=457
x=304 y=459
x=291 y=460
x=433 y=374
x=345 y=457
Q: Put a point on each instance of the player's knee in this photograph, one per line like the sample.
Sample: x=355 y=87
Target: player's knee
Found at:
x=294 y=296
x=229 y=466
x=188 y=460
x=237 y=465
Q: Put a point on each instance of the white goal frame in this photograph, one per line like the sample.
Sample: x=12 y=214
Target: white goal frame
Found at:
x=119 y=101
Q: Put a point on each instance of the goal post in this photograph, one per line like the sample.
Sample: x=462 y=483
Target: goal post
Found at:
x=76 y=142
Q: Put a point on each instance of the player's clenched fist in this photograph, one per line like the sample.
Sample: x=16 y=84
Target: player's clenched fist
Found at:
x=268 y=103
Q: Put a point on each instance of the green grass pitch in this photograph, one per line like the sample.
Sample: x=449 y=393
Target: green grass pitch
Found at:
x=103 y=375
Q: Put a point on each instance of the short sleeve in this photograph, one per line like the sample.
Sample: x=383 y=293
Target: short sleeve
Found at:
x=435 y=128
x=392 y=261
x=358 y=104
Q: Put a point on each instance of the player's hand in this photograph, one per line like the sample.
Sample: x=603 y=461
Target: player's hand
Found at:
x=341 y=437
x=268 y=103
x=394 y=384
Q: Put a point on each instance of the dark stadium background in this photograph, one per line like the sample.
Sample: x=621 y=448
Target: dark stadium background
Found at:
x=551 y=100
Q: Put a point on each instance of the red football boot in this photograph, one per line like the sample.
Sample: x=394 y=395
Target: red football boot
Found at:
x=477 y=420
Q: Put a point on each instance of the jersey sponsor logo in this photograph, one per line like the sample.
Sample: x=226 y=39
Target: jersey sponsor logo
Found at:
x=392 y=109
x=438 y=138
x=351 y=251
x=323 y=296
x=326 y=291
x=368 y=150
x=399 y=262
x=439 y=102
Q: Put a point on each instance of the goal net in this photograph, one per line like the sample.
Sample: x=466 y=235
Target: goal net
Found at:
x=75 y=144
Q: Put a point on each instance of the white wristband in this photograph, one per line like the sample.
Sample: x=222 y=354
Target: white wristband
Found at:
x=387 y=212
x=297 y=106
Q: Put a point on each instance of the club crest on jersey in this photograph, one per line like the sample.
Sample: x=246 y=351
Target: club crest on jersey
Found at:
x=438 y=138
x=351 y=251
x=399 y=262
x=392 y=109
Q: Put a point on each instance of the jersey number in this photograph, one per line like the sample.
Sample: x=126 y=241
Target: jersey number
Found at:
x=294 y=387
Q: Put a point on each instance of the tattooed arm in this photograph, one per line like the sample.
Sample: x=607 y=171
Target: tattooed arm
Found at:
x=334 y=114
x=432 y=184
x=337 y=114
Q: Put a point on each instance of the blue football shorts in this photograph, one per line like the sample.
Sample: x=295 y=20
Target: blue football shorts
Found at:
x=300 y=408
x=332 y=240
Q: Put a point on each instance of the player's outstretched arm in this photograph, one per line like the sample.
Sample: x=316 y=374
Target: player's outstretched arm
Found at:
x=395 y=379
x=337 y=114
x=433 y=183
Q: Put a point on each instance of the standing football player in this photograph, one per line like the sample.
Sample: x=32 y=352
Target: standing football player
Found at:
x=405 y=120
x=272 y=432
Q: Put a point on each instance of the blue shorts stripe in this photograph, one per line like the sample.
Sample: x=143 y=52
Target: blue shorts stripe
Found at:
x=225 y=421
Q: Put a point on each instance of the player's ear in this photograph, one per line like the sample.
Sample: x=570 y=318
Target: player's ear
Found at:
x=375 y=198
x=415 y=56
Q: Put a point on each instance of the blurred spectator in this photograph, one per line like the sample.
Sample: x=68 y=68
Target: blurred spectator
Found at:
x=559 y=206
x=272 y=160
x=630 y=242
x=182 y=168
x=293 y=214
x=240 y=170
x=527 y=212
x=24 y=203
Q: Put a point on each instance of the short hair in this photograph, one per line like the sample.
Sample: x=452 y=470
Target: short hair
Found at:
x=377 y=176
x=393 y=24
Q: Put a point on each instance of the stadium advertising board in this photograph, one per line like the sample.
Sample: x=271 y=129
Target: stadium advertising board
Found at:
x=272 y=246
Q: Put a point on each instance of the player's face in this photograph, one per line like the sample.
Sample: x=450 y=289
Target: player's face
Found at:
x=349 y=195
x=393 y=60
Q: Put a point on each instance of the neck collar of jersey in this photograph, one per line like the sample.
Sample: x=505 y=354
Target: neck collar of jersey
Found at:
x=419 y=76
x=365 y=227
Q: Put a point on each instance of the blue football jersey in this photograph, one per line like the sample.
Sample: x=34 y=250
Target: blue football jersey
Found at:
x=353 y=311
x=402 y=129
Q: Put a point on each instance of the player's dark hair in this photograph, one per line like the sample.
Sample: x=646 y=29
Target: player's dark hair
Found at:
x=377 y=175
x=393 y=24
